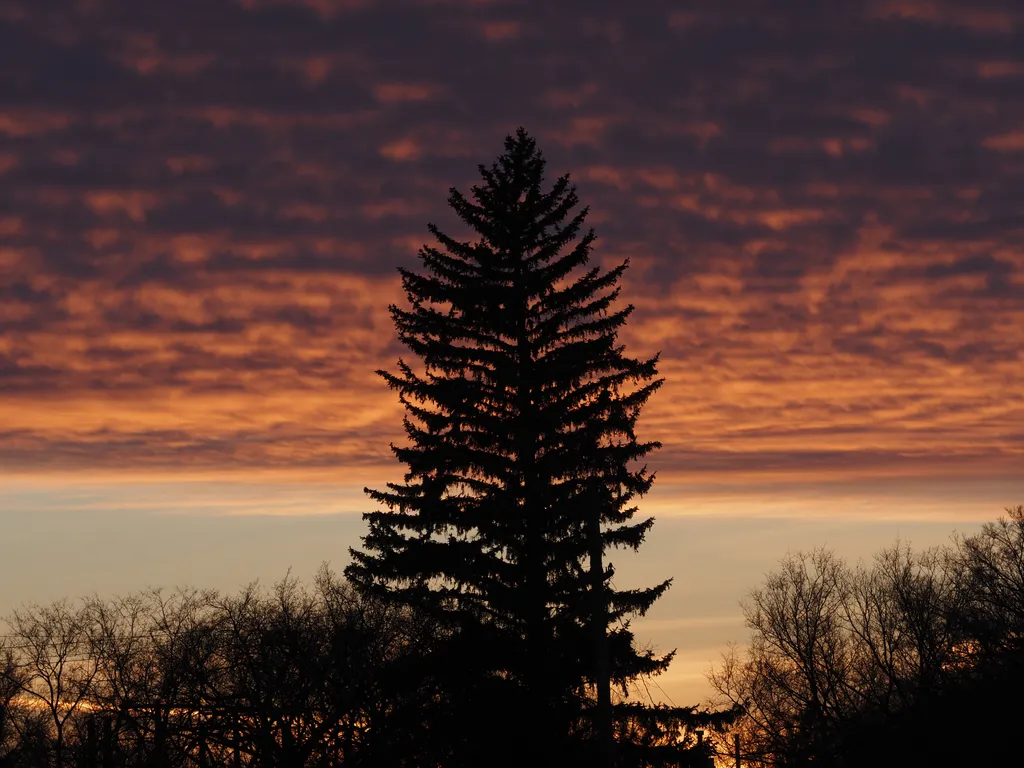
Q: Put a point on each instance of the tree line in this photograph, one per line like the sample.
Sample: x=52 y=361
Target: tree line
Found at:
x=916 y=658
x=291 y=676
x=297 y=676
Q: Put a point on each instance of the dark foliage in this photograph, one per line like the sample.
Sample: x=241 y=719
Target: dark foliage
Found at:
x=282 y=678
x=521 y=465
x=917 y=660
x=291 y=677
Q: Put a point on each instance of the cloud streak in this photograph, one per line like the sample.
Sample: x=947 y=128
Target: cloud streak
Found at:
x=199 y=230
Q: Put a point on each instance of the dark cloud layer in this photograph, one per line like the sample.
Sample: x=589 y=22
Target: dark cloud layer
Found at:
x=202 y=204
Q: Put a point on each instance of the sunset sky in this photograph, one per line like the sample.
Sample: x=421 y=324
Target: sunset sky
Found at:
x=203 y=203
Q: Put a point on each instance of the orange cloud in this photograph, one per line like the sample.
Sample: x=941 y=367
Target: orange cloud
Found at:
x=500 y=31
x=326 y=9
x=1000 y=68
x=401 y=150
x=1006 y=142
x=946 y=12
x=396 y=93
x=21 y=123
x=131 y=203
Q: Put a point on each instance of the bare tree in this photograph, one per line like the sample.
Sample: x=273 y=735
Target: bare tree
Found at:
x=141 y=643
x=267 y=699
x=899 y=613
x=795 y=680
x=304 y=677
x=834 y=647
x=52 y=665
x=992 y=588
x=11 y=707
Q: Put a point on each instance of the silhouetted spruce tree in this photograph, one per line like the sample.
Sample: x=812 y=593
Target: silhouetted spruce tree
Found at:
x=522 y=457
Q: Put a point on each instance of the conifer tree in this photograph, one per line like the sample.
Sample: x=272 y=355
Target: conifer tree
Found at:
x=523 y=467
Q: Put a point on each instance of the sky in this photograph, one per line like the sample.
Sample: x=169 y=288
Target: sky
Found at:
x=203 y=205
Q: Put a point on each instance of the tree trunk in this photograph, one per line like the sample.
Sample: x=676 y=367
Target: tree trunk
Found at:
x=58 y=746
x=535 y=572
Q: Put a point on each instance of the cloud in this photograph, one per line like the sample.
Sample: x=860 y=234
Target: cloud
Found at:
x=820 y=205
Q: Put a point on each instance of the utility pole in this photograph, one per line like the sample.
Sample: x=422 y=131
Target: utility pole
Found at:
x=599 y=622
x=736 y=748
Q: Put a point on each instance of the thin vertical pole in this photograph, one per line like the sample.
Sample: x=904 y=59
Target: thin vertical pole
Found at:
x=605 y=725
